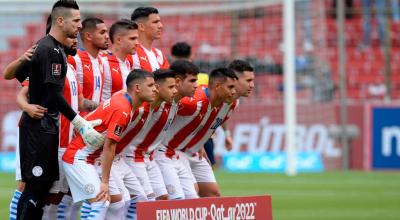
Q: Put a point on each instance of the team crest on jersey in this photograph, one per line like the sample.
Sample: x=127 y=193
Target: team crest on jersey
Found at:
x=56 y=69
x=89 y=188
x=37 y=171
x=118 y=130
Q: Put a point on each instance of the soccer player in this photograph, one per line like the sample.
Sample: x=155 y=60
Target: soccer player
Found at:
x=201 y=168
x=192 y=122
x=150 y=29
x=124 y=38
x=87 y=62
x=116 y=115
x=47 y=70
x=139 y=152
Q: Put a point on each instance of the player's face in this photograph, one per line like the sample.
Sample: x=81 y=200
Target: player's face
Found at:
x=128 y=41
x=100 y=37
x=187 y=87
x=72 y=43
x=226 y=90
x=245 y=84
x=167 y=90
x=72 y=24
x=147 y=90
x=153 y=26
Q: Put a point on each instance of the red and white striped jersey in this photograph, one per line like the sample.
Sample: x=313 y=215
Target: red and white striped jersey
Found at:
x=116 y=114
x=195 y=122
x=149 y=60
x=149 y=138
x=90 y=74
x=115 y=73
x=71 y=93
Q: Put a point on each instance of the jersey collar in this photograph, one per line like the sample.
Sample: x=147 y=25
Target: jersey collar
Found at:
x=128 y=98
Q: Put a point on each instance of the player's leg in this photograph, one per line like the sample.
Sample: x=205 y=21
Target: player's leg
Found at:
x=186 y=178
x=202 y=171
x=139 y=170
x=84 y=183
x=20 y=184
x=156 y=180
x=39 y=169
x=170 y=176
x=135 y=189
x=117 y=204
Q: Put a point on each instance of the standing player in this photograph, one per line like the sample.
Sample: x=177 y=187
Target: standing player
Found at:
x=124 y=37
x=47 y=70
x=200 y=168
x=87 y=62
x=194 y=118
x=150 y=29
x=116 y=115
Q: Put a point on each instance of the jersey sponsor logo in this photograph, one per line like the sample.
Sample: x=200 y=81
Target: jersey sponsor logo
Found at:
x=37 y=171
x=118 y=130
x=115 y=70
x=57 y=50
x=126 y=114
x=33 y=202
x=143 y=58
x=87 y=66
x=56 y=69
x=89 y=188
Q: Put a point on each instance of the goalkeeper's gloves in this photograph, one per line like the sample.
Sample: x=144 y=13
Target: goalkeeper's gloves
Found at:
x=86 y=128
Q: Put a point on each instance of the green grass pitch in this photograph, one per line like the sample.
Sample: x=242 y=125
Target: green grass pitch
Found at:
x=322 y=196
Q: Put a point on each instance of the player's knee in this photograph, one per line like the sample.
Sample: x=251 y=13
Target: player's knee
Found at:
x=115 y=198
x=162 y=197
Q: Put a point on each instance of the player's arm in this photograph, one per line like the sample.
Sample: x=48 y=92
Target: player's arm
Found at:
x=34 y=111
x=53 y=80
x=106 y=163
x=11 y=69
x=86 y=105
x=228 y=137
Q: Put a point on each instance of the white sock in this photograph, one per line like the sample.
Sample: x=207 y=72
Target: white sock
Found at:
x=50 y=212
x=74 y=211
x=116 y=211
x=85 y=209
x=64 y=208
x=14 y=204
x=98 y=210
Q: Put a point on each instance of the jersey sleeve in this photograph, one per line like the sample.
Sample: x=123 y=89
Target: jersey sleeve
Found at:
x=52 y=66
x=22 y=72
x=118 y=123
x=187 y=106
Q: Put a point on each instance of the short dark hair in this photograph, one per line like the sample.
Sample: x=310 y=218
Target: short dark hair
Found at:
x=182 y=68
x=221 y=74
x=143 y=12
x=181 y=50
x=59 y=8
x=89 y=24
x=137 y=75
x=161 y=74
x=121 y=25
x=239 y=66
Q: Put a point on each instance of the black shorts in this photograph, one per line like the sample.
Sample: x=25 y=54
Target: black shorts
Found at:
x=209 y=148
x=38 y=155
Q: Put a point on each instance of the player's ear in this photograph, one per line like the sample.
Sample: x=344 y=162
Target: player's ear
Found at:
x=87 y=36
x=60 y=21
x=140 y=26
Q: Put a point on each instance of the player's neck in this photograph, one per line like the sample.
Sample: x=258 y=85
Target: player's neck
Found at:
x=178 y=97
x=58 y=35
x=156 y=103
x=214 y=99
x=90 y=49
x=136 y=102
x=119 y=53
x=145 y=42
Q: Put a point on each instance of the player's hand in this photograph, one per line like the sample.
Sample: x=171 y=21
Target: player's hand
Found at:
x=104 y=193
x=28 y=54
x=35 y=111
x=228 y=143
x=202 y=154
x=89 y=135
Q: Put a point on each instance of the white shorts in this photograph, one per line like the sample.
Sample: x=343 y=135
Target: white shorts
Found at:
x=125 y=179
x=17 y=162
x=200 y=169
x=177 y=178
x=61 y=185
x=84 y=180
x=149 y=176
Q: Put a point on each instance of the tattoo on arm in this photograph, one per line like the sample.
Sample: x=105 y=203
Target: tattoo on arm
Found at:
x=89 y=105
